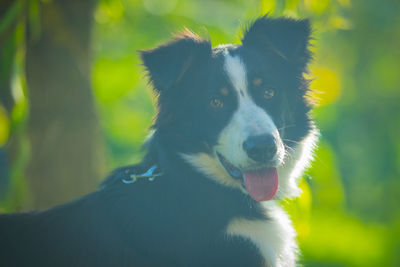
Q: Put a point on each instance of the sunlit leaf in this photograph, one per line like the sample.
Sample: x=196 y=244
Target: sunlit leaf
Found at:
x=268 y=6
x=109 y=11
x=326 y=85
x=4 y=126
x=300 y=210
x=339 y=22
x=317 y=6
x=112 y=79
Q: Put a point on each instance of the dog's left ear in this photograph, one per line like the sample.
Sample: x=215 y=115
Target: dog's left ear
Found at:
x=288 y=38
x=168 y=63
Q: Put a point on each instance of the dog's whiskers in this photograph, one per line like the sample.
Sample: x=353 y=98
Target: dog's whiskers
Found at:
x=289 y=140
x=287 y=152
x=287 y=148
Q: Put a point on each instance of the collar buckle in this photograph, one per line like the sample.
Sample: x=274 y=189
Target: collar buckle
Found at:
x=149 y=174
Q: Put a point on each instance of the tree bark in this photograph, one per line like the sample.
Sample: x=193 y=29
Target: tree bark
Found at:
x=63 y=128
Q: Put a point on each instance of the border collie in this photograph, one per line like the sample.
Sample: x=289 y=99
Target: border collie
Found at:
x=231 y=136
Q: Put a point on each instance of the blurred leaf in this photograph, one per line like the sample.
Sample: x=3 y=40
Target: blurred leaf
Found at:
x=7 y=54
x=109 y=11
x=159 y=7
x=386 y=71
x=4 y=126
x=34 y=19
x=112 y=79
x=268 y=6
x=317 y=6
x=299 y=210
x=339 y=22
x=326 y=183
x=338 y=238
x=11 y=16
x=326 y=85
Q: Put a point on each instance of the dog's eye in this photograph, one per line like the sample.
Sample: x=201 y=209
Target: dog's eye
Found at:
x=268 y=94
x=216 y=103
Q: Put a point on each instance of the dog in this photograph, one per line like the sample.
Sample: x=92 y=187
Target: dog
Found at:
x=231 y=137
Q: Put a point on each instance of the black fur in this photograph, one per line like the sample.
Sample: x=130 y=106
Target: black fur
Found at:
x=176 y=220
x=180 y=218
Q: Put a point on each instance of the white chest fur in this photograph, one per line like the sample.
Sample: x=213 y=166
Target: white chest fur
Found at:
x=275 y=237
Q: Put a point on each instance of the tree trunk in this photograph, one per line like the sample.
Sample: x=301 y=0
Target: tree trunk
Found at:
x=63 y=128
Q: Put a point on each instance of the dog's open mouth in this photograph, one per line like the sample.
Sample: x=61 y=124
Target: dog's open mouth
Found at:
x=261 y=184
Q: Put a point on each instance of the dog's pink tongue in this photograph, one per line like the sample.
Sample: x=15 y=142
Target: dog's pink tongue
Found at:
x=263 y=184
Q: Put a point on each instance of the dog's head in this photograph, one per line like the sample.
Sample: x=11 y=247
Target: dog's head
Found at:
x=238 y=113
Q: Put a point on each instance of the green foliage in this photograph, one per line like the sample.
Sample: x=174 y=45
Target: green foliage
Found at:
x=11 y=16
x=14 y=115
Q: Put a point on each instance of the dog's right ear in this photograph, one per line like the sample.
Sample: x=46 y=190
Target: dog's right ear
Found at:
x=168 y=63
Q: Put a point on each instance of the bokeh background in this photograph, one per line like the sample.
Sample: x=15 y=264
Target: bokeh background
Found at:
x=74 y=105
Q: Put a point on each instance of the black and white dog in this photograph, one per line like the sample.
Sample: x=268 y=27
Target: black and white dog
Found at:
x=231 y=137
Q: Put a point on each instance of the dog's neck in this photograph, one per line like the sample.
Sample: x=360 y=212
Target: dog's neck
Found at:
x=165 y=150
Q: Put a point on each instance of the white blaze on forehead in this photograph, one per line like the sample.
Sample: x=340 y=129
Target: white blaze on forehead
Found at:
x=236 y=71
x=253 y=117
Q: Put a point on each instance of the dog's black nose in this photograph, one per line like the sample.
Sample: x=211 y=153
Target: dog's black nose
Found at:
x=260 y=148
